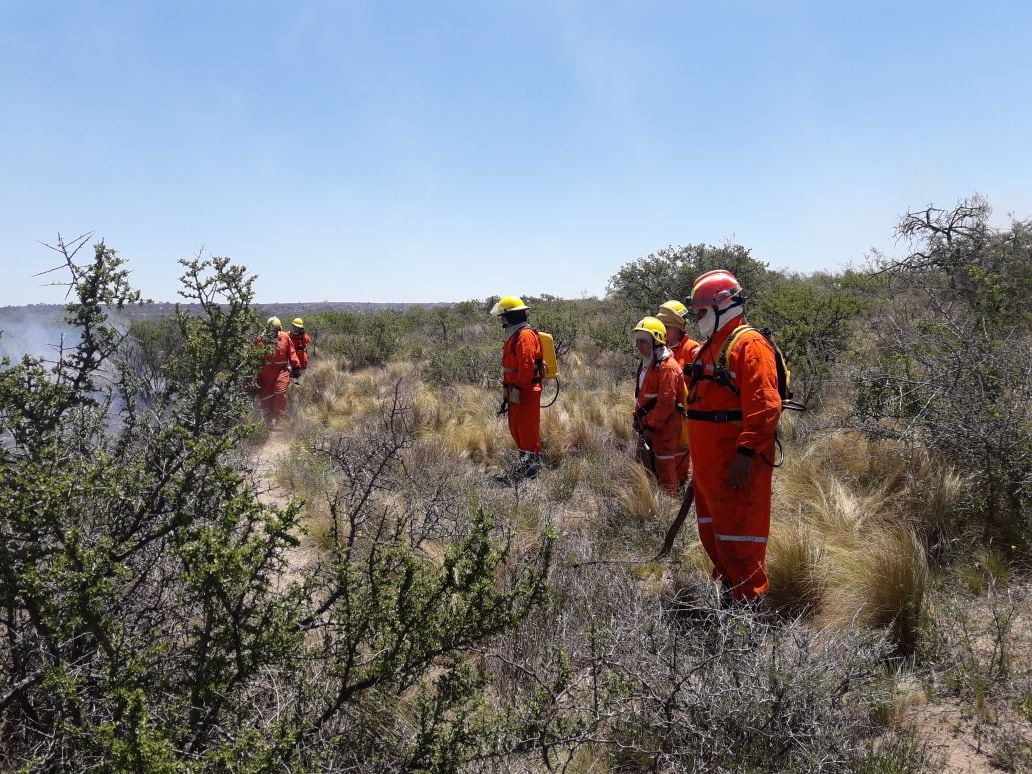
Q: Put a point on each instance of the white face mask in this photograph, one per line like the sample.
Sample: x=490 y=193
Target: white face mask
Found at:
x=707 y=325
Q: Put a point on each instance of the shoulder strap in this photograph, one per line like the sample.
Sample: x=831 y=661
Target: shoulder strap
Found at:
x=736 y=334
x=784 y=375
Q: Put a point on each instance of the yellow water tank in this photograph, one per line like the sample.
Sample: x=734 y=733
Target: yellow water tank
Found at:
x=549 y=363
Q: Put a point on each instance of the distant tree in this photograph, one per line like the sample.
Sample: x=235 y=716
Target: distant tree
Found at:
x=669 y=273
x=813 y=318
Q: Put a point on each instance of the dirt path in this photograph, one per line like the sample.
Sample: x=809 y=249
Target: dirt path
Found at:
x=264 y=462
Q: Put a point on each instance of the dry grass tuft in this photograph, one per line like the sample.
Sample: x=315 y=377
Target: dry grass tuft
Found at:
x=694 y=556
x=333 y=397
x=878 y=581
x=841 y=550
x=563 y=482
x=933 y=499
x=856 y=460
x=795 y=567
x=586 y=422
x=638 y=495
x=474 y=435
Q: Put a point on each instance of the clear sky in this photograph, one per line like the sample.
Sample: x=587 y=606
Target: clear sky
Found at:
x=370 y=150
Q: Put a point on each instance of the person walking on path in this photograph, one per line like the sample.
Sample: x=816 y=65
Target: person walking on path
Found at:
x=281 y=363
x=300 y=340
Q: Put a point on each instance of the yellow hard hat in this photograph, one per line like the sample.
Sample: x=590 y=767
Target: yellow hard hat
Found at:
x=508 y=304
x=298 y=322
x=274 y=323
x=672 y=313
x=653 y=327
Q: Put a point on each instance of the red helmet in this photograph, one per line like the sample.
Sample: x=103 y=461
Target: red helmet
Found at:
x=713 y=288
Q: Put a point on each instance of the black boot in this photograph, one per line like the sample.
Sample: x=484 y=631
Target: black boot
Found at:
x=530 y=464
x=727 y=599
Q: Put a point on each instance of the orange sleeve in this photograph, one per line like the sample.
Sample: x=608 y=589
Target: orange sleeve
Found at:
x=668 y=388
x=528 y=350
x=292 y=354
x=757 y=378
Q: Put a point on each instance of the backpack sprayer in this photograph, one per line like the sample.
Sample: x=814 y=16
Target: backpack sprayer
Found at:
x=546 y=367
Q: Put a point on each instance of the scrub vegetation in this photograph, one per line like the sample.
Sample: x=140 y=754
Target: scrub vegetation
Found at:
x=157 y=613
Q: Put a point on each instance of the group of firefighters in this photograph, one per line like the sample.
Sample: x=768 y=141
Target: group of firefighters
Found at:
x=705 y=414
x=286 y=358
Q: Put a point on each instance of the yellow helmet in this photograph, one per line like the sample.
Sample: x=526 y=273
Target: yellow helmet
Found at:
x=274 y=323
x=654 y=328
x=298 y=322
x=508 y=304
x=672 y=313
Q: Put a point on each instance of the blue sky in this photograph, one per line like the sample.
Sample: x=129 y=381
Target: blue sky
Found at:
x=428 y=151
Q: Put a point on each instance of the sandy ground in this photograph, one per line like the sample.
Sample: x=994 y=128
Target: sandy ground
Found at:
x=264 y=462
x=952 y=730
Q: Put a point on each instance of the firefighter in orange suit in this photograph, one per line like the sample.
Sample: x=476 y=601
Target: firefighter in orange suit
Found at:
x=274 y=376
x=673 y=315
x=732 y=416
x=300 y=340
x=521 y=382
x=656 y=417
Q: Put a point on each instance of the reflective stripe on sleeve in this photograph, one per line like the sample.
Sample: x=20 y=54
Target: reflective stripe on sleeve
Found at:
x=705 y=520
x=665 y=456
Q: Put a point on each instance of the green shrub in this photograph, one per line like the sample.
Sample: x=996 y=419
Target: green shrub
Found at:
x=947 y=359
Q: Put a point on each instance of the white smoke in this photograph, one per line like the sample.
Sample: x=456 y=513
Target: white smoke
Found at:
x=35 y=331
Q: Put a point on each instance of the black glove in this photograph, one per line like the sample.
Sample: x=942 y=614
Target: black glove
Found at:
x=295 y=372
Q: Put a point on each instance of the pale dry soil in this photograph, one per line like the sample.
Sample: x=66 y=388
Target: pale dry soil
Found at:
x=264 y=463
x=963 y=737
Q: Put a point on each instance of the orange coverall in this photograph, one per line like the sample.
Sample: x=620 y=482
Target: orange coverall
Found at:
x=301 y=342
x=522 y=385
x=684 y=353
x=661 y=386
x=274 y=376
x=734 y=523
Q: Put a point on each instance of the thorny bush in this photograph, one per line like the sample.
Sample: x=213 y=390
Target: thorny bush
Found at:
x=149 y=621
